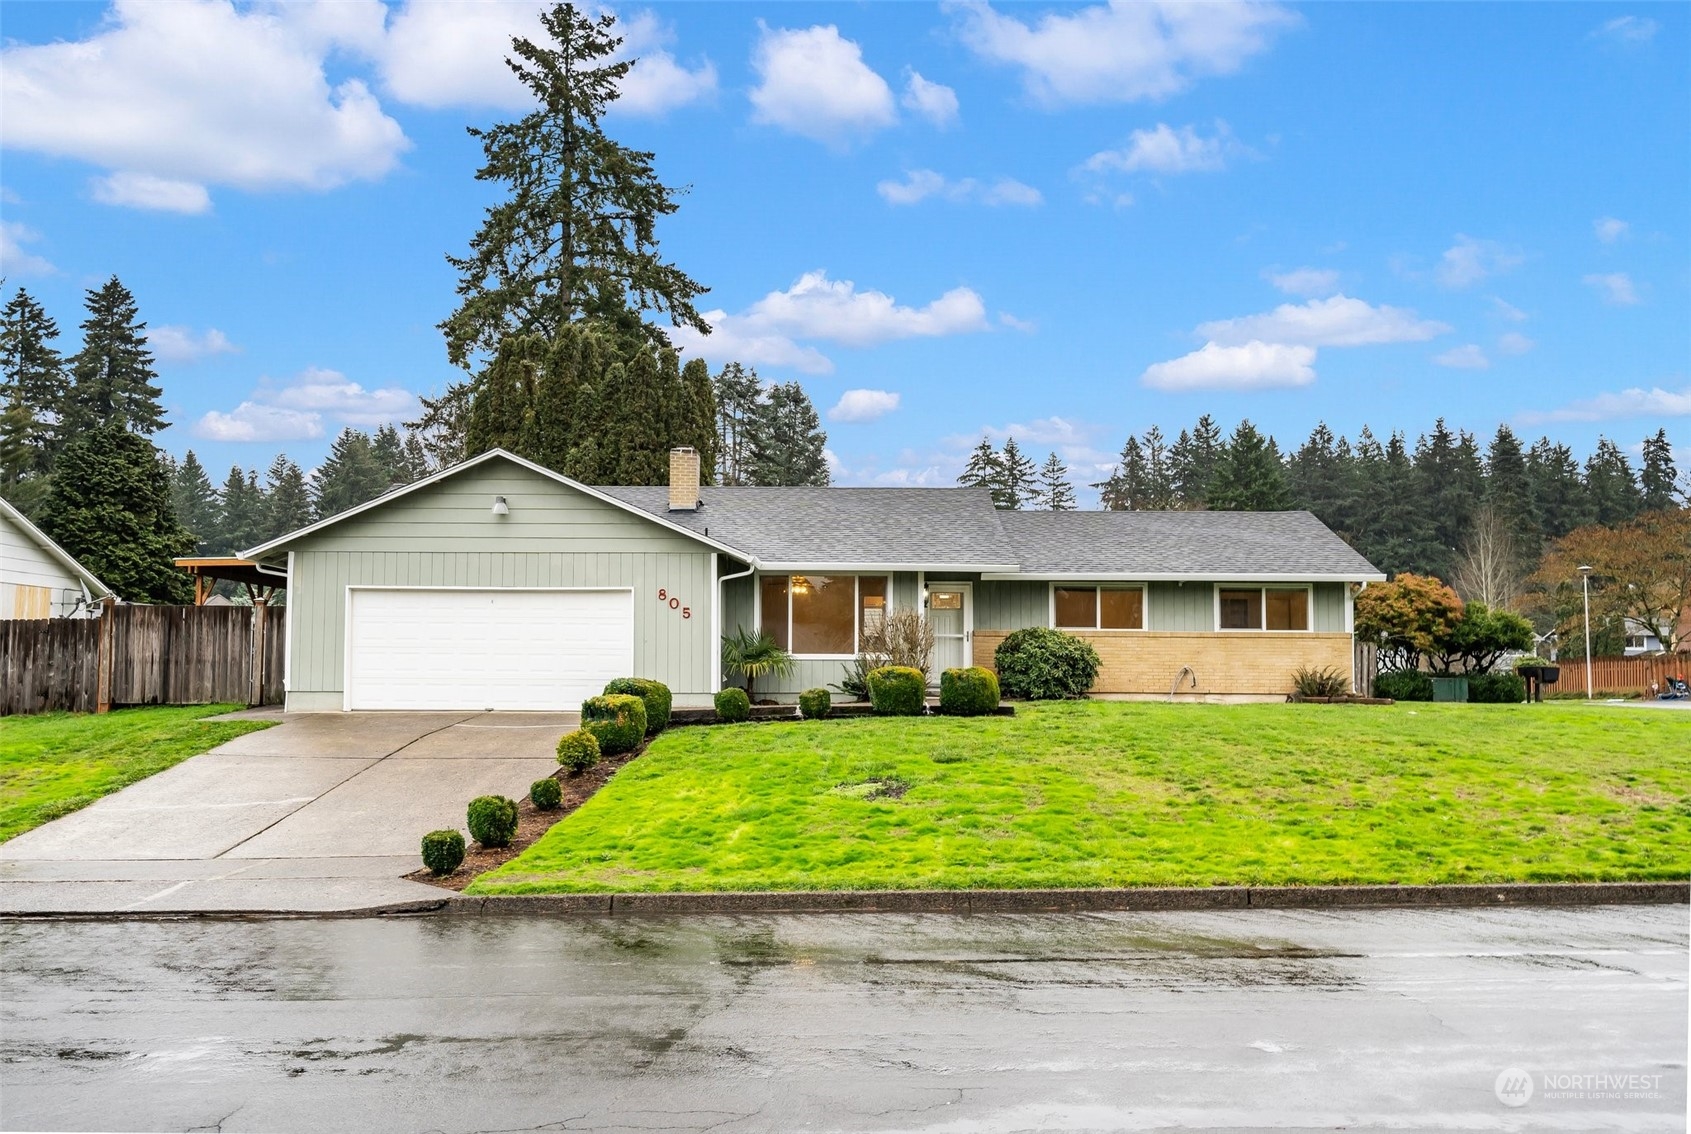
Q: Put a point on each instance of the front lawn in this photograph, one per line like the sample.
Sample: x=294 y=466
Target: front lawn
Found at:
x=52 y=764
x=1111 y=794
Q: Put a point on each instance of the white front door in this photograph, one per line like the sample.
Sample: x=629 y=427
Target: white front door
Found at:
x=951 y=614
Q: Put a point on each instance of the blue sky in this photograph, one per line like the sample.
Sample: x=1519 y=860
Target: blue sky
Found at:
x=1064 y=222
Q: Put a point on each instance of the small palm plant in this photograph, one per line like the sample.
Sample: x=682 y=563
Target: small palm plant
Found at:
x=754 y=656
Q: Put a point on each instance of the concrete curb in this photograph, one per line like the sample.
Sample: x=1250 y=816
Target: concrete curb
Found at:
x=1076 y=901
x=395 y=909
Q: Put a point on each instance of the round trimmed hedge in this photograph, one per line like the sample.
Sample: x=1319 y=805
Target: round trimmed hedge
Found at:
x=492 y=820
x=897 y=691
x=815 y=704
x=443 y=852
x=578 y=750
x=654 y=694
x=545 y=794
x=733 y=705
x=1045 y=665
x=1497 y=689
x=616 y=720
x=968 y=692
x=1404 y=685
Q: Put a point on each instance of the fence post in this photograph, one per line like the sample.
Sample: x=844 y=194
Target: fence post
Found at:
x=255 y=691
x=108 y=649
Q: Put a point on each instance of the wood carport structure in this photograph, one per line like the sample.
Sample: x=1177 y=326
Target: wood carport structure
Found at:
x=208 y=571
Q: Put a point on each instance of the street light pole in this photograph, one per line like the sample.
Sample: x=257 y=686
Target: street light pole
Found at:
x=1585 y=588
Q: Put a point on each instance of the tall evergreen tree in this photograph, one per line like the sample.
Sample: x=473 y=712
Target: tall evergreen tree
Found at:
x=349 y=476
x=697 y=418
x=787 y=442
x=1021 y=475
x=1659 y=478
x=240 y=514
x=33 y=385
x=195 y=502
x=1558 y=489
x=1610 y=486
x=1055 y=493
x=110 y=507
x=114 y=369
x=1249 y=476
x=388 y=447
x=1451 y=483
x=985 y=469
x=1319 y=477
x=1509 y=496
x=737 y=393
x=1158 y=490
x=1123 y=489
x=287 y=499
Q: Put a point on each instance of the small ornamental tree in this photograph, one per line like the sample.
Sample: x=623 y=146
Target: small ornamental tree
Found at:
x=1479 y=639
x=1406 y=619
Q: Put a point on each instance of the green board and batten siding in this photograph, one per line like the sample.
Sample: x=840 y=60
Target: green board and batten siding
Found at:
x=445 y=535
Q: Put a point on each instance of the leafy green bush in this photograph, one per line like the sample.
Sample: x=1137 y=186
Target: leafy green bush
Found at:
x=1328 y=682
x=1046 y=665
x=578 y=750
x=897 y=691
x=1531 y=661
x=733 y=706
x=1497 y=689
x=655 y=694
x=1404 y=685
x=968 y=692
x=815 y=703
x=443 y=852
x=545 y=794
x=616 y=720
x=492 y=820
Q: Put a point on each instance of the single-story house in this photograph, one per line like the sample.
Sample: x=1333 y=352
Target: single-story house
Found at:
x=501 y=584
x=40 y=579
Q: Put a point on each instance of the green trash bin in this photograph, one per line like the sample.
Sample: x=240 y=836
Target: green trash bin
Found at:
x=1450 y=689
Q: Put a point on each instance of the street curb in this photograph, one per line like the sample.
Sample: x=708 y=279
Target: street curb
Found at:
x=395 y=909
x=1145 y=899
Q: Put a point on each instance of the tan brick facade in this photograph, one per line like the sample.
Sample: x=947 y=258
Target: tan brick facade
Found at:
x=1146 y=661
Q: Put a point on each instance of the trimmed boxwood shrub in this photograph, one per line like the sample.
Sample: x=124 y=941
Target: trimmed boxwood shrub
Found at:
x=578 y=750
x=733 y=705
x=1045 y=665
x=968 y=692
x=1497 y=689
x=815 y=703
x=897 y=691
x=1404 y=685
x=443 y=852
x=492 y=820
x=616 y=720
x=545 y=794
x=655 y=695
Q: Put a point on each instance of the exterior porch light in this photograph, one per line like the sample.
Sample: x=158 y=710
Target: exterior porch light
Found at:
x=500 y=508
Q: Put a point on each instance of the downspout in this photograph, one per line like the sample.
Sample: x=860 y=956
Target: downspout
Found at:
x=716 y=625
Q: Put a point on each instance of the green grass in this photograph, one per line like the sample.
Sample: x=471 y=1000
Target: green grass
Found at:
x=1110 y=794
x=55 y=763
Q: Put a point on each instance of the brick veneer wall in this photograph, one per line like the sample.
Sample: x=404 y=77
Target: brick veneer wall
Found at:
x=1146 y=661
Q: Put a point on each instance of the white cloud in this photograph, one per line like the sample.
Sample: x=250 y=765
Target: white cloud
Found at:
x=1167 y=150
x=731 y=340
x=1609 y=229
x=1025 y=326
x=181 y=345
x=1123 y=51
x=1336 y=321
x=921 y=184
x=15 y=259
x=1507 y=310
x=934 y=101
x=863 y=405
x=1615 y=288
x=254 y=421
x=813 y=82
x=1305 y=281
x=1247 y=366
x=198 y=93
x=1468 y=356
x=144 y=191
x=1469 y=261
x=301 y=407
x=1513 y=342
x=1633 y=402
x=1627 y=30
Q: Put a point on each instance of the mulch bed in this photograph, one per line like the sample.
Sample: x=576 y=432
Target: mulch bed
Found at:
x=531 y=823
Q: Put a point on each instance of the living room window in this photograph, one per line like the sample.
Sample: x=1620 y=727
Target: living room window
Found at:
x=1262 y=608
x=822 y=615
x=1098 y=608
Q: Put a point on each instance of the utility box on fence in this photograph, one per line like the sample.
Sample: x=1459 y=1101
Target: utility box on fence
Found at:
x=1450 y=689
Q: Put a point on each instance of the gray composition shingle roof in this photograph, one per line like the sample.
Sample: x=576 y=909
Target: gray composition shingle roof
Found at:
x=959 y=527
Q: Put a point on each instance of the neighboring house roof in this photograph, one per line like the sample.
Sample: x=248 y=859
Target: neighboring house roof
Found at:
x=59 y=555
x=1149 y=545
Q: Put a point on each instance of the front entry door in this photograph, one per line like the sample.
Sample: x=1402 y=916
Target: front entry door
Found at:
x=950 y=614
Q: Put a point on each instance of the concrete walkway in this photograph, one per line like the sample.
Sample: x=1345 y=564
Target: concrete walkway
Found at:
x=319 y=814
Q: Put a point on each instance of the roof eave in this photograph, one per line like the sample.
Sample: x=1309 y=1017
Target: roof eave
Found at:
x=800 y=567
x=1189 y=576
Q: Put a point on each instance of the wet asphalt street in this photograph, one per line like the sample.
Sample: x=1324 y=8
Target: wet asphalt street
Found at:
x=1290 y=1020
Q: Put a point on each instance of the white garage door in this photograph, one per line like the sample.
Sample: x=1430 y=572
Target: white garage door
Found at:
x=485 y=649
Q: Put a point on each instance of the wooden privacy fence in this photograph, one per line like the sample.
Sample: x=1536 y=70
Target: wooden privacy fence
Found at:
x=142 y=655
x=1619 y=677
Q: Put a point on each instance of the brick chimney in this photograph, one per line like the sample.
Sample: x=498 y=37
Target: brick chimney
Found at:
x=684 y=480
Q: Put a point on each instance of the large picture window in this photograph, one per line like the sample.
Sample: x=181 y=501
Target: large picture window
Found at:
x=822 y=614
x=1263 y=608
x=1098 y=608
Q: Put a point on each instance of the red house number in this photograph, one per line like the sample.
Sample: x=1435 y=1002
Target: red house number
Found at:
x=674 y=603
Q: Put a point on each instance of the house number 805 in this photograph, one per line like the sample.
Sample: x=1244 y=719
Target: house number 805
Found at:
x=674 y=603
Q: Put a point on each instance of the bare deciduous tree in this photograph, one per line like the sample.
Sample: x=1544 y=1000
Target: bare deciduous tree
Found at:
x=1488 y=568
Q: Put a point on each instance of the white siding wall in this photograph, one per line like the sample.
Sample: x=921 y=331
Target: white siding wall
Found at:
x=24 y=564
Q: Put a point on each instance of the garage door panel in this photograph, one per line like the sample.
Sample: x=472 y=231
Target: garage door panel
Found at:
x=485 y=649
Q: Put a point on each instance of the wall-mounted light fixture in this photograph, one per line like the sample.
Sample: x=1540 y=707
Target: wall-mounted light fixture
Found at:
x=500 y=508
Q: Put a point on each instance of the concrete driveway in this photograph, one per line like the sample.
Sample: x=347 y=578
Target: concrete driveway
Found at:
x=321 y=813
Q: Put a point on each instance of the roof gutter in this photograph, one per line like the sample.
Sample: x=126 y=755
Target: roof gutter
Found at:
x=1184 y=577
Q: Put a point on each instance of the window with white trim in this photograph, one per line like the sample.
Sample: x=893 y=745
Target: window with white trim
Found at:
x=822 y=615
x=1262 y=608
x=1098 y=608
